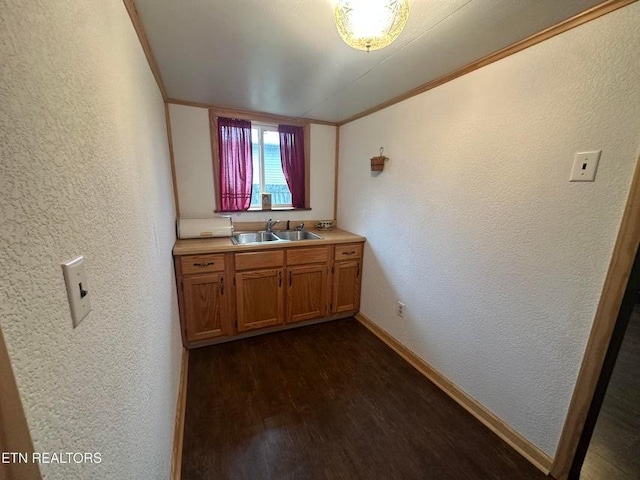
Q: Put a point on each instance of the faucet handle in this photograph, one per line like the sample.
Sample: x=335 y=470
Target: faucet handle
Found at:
x=271 y=223
x=300 y=226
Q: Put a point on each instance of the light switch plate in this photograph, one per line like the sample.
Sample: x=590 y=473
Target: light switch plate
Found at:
x=77 y=289
x=585 y=165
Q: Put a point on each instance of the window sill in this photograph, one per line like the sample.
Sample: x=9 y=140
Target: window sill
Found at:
x=254 y=210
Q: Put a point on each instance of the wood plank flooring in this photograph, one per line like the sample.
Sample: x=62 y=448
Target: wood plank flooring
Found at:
x=614 y=451
x=329 y=401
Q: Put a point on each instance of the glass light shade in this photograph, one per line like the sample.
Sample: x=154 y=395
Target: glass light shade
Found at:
x=370 y=24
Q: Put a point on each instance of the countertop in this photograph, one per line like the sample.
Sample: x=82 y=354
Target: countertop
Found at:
x=197 y=246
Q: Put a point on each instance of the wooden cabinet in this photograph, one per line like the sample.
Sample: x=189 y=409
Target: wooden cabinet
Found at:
x=259 y=299
x=307 y=292
x=257 y=260
x=346 y=287
x=227 y=294
x=348 y=251
x=203 y=297
x=346 y=280
x=307 y=283
x=196 y=264
x=205 y=307
x=259 y=289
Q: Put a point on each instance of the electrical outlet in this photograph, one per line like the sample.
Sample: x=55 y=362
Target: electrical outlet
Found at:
x=401 y=307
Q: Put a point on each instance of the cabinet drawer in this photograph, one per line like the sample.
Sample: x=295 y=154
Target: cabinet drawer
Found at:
x=348 y=251
x=303 y=256
x=256 y=260
x=202 y=264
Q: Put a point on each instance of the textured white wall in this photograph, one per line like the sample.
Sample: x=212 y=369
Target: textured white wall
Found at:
x=192 y=155
x=84 y=169
x=474 y=225
x=194 y=169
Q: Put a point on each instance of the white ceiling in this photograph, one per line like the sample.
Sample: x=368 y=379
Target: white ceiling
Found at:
x=285 y=56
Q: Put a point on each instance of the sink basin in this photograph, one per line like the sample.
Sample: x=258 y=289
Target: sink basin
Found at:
x=253 y=237
x=260 y=237
x=295 y=235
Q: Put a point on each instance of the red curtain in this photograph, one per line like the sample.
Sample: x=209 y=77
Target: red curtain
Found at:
x=236 y=164
x=292 y=157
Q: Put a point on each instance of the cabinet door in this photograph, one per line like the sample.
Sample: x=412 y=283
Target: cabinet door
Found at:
x=259 y=298
x=346 y=287
x=306 y=292
x=205 y=307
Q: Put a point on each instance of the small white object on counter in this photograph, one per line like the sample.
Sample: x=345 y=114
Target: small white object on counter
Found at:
x=205 y=227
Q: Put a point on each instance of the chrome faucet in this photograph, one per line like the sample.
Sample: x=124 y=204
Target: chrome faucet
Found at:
x=299 y=227
x=270 y=224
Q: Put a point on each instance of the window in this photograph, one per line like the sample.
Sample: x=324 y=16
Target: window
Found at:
x=259 y=155
x=268 y=176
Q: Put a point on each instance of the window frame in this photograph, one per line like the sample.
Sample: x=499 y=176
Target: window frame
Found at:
x=263 y=119
x=269 y=127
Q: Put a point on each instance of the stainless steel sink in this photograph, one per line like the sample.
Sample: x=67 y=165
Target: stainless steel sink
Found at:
x=296 y=235
x=285 y=236
x=253 y=237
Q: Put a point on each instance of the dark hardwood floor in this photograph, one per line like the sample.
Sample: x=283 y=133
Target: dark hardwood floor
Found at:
x=329 y=401
x=614 y=450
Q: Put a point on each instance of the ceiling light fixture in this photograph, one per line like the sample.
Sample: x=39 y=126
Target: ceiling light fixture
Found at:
x=370 y=24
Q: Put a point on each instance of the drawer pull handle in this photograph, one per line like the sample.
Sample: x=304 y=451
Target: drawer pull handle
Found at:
x=290 y=278
x=280 y=278
x=205 y=264
x=352 y=252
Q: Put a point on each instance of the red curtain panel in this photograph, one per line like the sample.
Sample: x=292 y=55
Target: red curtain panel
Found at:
x=292 y=156
x=236 y=164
